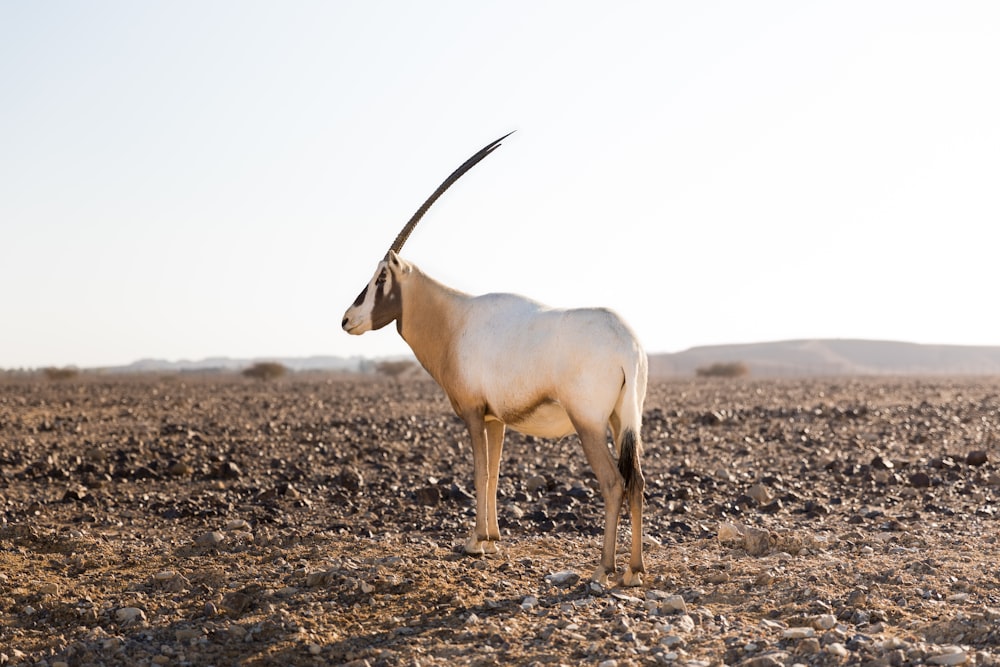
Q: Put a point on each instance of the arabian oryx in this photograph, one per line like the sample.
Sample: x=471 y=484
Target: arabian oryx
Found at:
x=505 y=360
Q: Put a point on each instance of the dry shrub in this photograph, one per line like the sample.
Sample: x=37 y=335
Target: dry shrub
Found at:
x=58 y=374
x=265 y=370
x=729 y=369
x=395 y=369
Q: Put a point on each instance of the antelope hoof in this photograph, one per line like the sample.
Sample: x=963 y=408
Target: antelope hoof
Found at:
x=600 y=576
x=631 y=578
x=477 y=547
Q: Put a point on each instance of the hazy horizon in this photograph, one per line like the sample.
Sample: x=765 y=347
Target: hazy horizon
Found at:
x=238 y=360
x=183 y=180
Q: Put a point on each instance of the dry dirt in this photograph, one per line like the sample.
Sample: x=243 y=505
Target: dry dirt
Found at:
x=313 y=520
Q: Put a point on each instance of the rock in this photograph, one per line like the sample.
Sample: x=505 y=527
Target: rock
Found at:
x=536 y=483
x=760 y=493
x=808 y=646
x=730 y=532
x=187 y=634
x=179 y=469
x=757 y=541
x=529 y=603
x=563 y=579
x=210 y=539
x=75 y=495
x=457 y=493
x=428 y=495
x=920 y=480
x=798 y=633
x=949 y=655
x=226 y=470
x=976 y=457
x=770 y=660
x=350 y=479
x=673 y=604
x=825 y=621
x=882 y=463
x=237 y=524
x=128 y=615
x=837 y=649
x=684 y=623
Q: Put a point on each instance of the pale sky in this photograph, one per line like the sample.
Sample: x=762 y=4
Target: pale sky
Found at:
x=191 y=179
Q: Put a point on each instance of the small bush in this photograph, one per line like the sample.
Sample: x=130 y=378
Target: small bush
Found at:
x=729 y=369
x=265 y=370
x=394 y=369
x=58 y=374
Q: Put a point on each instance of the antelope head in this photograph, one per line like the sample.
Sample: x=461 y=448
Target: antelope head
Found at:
x=380 y=302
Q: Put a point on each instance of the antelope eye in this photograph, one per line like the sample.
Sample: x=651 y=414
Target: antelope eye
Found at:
x=381 y=278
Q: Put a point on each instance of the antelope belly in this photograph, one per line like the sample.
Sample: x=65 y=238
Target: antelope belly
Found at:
x=548 y=420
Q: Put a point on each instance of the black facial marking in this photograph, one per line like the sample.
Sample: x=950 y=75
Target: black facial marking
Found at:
x=388 y=301
x=361 y=297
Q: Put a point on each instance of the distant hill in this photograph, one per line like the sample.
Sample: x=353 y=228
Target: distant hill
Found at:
x=834 y=357
x=790 y=358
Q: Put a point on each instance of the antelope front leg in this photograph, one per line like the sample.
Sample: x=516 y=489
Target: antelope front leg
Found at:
x=494 y=448
x=479 y=542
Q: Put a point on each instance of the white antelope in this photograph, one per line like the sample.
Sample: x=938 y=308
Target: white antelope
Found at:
x=505 y=360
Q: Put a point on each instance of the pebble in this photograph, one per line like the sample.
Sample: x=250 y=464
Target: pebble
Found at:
x=529 y=603
x=237 y=524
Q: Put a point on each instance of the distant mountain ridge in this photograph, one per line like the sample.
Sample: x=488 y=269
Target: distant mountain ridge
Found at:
x=796 y=358
x=789 y=358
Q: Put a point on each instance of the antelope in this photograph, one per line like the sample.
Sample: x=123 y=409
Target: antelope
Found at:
x=507 y=361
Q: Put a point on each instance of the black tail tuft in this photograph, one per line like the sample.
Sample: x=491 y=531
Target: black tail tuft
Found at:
x=628 y=462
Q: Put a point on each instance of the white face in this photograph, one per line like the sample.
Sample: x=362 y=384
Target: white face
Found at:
x=379 y=303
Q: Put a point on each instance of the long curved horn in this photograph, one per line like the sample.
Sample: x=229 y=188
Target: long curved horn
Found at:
x=397 y=245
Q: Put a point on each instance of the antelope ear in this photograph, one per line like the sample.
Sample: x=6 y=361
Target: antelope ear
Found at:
x=397 y=265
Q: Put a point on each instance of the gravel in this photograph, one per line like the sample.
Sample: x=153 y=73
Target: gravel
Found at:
x=319 y=520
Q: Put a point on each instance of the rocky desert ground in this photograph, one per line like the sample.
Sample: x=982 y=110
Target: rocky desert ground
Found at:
x=318 y=520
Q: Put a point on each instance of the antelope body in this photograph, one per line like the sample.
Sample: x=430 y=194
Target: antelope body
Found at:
x=507 y=361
